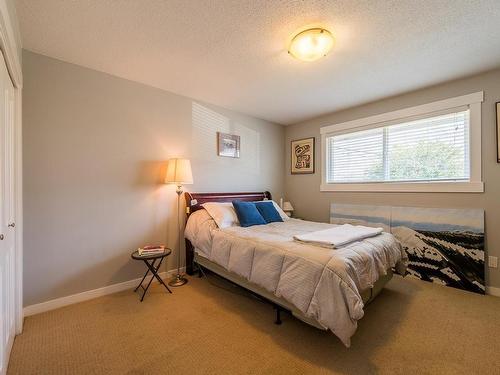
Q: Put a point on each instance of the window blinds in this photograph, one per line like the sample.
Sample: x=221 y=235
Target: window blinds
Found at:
x=428 y=149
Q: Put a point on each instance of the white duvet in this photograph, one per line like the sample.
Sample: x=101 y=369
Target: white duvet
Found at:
x=322 y=283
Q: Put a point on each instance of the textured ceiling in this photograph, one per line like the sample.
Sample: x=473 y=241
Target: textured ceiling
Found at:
x=233 y=52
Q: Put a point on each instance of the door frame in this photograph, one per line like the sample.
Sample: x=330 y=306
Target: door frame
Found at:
x=10 y=44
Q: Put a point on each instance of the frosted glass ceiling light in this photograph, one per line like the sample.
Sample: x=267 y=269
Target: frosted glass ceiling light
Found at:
x=311 y=44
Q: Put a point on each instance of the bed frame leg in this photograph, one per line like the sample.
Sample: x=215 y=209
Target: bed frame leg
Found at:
x=278 y=315
x=198 y=269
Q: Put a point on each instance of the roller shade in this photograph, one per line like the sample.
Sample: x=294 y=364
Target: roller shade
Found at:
x=434 y=148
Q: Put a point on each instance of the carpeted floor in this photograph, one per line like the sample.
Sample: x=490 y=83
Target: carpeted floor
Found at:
x=413 y=327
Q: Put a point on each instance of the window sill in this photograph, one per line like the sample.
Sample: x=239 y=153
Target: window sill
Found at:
x=408 y=187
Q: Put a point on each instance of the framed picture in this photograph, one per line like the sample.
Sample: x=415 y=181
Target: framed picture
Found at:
x=498 y=131
x=228 y=145
x=303 y=156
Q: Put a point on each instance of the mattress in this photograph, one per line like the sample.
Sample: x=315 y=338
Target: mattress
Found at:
x=323 y=284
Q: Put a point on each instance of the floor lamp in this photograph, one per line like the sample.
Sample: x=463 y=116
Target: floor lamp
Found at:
x=179 y=173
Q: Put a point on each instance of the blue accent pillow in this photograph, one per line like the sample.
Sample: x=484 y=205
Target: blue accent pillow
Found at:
x=248 y=214
x=268 y=211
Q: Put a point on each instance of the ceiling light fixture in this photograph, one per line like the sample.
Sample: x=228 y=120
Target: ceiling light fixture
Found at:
x=311 y=44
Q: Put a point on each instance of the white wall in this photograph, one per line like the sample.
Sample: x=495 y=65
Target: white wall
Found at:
x=95 y=148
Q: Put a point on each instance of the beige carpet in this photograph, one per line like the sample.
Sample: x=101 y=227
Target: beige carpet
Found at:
x=412 y=327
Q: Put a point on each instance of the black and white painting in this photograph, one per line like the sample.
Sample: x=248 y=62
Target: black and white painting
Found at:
x=444 y=246
x=302 y=156
x=228 y=145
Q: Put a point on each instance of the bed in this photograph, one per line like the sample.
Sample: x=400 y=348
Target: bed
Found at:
x=326 y=288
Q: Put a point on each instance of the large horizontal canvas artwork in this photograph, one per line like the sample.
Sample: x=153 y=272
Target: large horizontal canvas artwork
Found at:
x=444 y=246
x=371 y=216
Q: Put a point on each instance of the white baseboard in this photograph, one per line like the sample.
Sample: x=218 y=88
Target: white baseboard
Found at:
x=492 y=291
x=110 y=289
x=89 y=294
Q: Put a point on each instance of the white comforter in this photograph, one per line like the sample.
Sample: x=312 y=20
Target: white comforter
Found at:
x=322 y=283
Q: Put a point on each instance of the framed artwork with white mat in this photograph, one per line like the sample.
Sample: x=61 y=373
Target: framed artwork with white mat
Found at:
x=498 y=131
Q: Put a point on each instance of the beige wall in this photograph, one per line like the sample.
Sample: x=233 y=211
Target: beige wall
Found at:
x=95 y=148
x=303 y=190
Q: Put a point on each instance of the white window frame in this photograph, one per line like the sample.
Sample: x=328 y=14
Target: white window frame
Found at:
x=474 y=185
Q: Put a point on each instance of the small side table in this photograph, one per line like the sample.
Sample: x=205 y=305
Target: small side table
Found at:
x=150 y=261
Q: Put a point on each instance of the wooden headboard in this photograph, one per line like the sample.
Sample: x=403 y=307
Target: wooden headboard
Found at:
x=194 y=202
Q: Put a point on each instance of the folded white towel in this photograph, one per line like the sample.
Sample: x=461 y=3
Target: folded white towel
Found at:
x=337 y=236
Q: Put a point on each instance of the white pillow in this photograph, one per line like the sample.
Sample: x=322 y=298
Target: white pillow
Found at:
x=284 y=216
x=223 y=213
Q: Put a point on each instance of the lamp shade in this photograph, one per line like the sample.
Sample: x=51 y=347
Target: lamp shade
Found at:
x=179 y=172
x=287 y=206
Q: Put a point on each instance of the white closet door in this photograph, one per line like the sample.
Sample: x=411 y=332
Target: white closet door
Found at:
x=7 y=223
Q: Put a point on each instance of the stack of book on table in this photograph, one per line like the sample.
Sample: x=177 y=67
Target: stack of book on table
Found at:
x=151 y=250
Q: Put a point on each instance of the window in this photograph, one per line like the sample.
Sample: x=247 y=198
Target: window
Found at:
x=430 y=149
x=435 y=147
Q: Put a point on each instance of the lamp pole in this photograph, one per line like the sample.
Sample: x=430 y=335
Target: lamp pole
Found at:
x=179 y=279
